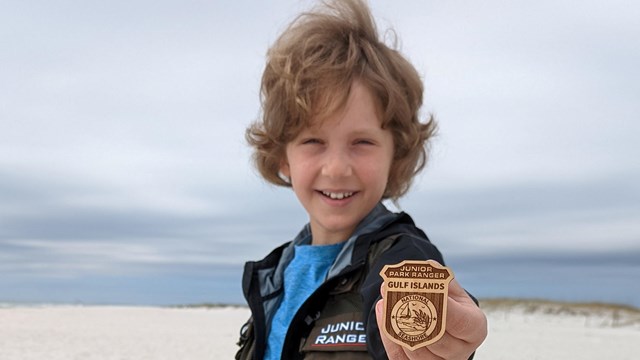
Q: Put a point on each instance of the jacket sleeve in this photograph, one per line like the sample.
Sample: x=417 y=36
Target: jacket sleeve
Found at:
x=406 y=247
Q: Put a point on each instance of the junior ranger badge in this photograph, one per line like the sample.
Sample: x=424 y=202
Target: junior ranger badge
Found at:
x=415 y=303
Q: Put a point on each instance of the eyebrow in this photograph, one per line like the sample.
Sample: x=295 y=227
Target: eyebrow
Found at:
x=366 y=132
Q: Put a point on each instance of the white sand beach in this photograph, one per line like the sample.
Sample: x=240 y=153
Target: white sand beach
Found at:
x=517 y=330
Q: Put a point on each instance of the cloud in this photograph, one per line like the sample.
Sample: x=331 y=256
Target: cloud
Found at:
x=592 y=216
x=53 y=228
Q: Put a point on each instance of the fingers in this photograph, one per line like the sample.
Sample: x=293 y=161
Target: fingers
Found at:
x=456 y=291
x=451 y=348
x=465 y=320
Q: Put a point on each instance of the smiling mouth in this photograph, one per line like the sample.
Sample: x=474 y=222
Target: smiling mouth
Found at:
x=337 y=195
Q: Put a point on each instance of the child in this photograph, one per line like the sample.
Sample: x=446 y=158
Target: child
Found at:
x=340 y=127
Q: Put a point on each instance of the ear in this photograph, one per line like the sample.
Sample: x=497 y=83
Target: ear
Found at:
x=284 y=168
x=285 y=171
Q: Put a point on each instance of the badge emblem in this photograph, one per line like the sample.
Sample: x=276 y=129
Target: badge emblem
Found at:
x=415 y=304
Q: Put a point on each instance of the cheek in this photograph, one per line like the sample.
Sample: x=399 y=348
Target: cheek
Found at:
x=377 y=172
x=386 y=171
x=392 y=176
x=297 y=171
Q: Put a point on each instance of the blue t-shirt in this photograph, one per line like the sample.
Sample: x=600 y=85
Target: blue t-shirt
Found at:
x=305 y=273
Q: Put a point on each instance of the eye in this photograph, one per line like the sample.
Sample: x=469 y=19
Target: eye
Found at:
x=364 y=142
x=311 y=141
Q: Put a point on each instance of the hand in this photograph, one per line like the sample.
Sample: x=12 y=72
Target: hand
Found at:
x=466 y=329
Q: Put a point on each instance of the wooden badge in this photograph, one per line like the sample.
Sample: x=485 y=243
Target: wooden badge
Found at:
x=415 y=304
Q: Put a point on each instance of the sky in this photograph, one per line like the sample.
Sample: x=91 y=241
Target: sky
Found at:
x=125 y=178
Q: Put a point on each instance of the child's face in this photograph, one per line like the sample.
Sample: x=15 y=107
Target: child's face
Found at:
x=339 y=169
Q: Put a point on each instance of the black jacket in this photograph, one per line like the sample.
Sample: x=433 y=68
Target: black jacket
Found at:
x=347 y=298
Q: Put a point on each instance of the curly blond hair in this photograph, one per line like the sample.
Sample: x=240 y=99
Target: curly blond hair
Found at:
x=308 y=75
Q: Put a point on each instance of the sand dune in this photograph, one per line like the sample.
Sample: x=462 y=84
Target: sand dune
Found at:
x=547 y=330
x=518 y=330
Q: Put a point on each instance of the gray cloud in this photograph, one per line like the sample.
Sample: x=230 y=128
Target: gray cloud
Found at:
x=591 y=217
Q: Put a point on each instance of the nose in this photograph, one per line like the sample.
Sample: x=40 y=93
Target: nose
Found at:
x=337 y=164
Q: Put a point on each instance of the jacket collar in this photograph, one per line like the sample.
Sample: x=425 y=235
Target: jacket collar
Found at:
x=376 y=219
x=271 y=269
